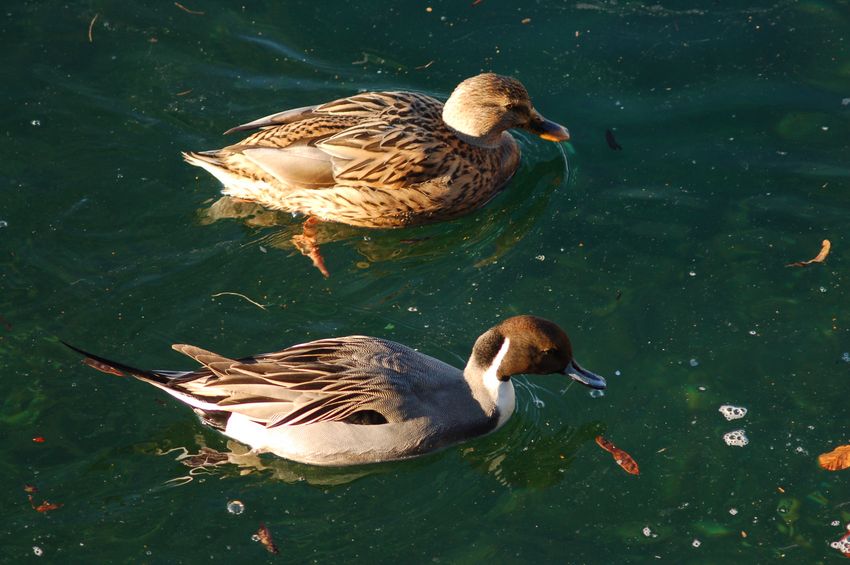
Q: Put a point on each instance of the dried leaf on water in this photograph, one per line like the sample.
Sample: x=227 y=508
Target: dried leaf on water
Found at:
x=264 y=536
x=102 y=367
x=835 y=460
x=30 y=489
x=821 y=257
x=622 y=458
x=44 y=506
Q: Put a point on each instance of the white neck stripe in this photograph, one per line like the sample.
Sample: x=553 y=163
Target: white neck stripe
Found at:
x=491 y=376
x=501 y=392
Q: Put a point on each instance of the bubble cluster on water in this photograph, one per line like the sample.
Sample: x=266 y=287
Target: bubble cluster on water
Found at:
x=235 y=507
x=596 y=393
x=732 y=412
x=737 y=438
x=845 y=356
x=733 y=511
x=842 y=545
x=696 y=543
x=693 y=363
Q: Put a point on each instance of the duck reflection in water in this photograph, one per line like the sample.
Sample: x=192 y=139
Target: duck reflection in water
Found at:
x=552 y=455
x=498 y=230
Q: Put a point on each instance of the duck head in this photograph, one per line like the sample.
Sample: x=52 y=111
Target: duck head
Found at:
x=484 y=106
x=530 y=345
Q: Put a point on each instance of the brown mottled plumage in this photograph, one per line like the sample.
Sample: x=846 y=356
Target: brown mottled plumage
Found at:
x=383 y=159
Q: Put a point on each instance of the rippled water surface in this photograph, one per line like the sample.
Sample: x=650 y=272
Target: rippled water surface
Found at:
x=665 y=261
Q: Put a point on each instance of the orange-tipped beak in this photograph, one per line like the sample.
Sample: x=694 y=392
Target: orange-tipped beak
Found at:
x=550 y=131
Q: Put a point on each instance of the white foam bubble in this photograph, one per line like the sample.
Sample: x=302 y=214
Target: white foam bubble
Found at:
x=732 y=412
x=842 y=545
x=737 y=438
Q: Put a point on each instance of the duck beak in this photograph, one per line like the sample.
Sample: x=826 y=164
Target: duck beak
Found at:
x=585 y=377
x=550 y=131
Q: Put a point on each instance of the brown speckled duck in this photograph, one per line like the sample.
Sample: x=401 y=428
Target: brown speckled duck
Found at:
x=383 y=159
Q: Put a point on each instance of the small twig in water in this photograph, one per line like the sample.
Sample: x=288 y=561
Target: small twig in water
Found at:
x=257 y=304
x=187 y=10
x=425 y=66
x=91 y=27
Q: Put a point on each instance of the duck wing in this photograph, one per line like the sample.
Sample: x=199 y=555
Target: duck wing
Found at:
x=375 y=139
x=356 y=379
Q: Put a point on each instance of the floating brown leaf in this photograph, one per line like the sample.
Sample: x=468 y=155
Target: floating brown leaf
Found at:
x=30 y=489
x=824 y=251
x=622 y=458
x=102 y=367
x=835 y=460
x=264 y=536
x=44 y=506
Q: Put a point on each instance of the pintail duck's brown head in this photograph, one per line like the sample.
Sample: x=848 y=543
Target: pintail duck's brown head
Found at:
x=530 y=345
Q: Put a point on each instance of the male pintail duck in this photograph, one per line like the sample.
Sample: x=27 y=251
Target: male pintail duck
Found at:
x=383 y=159
x=356 y=399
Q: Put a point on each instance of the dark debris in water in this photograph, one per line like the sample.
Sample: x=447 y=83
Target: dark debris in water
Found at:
x=612 y=142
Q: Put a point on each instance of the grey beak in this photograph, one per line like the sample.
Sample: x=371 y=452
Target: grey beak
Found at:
x=585 y=377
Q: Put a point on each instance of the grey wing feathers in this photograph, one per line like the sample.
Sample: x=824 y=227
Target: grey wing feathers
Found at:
x=325 y=380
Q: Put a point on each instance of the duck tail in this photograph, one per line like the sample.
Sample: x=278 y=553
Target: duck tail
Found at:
x=202 y=159
x=120 y=369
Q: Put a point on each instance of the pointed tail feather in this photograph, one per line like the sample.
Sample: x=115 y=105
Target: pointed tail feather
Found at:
x=116 y=368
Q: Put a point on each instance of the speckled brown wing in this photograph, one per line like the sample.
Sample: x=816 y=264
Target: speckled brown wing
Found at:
x=376 y=139
x=393 y=144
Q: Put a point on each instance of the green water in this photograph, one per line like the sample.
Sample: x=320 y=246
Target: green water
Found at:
x=734 y=163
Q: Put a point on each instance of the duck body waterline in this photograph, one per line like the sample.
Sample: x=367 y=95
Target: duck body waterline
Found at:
x=383 y=159
x=358 y=399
